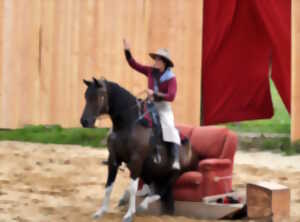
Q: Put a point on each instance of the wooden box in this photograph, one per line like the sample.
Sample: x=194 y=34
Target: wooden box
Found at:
x=267 y=199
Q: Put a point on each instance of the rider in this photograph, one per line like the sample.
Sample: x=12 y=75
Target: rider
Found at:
x=162 y=88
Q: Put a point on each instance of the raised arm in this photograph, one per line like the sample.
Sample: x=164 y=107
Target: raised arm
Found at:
x=133 y=64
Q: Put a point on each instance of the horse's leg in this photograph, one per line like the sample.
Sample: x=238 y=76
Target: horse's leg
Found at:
x=125 y=198
x=153 y=196
x=135 y=167
x=131 y=210
x=140 y=193
x=164 y=193
x=112 y=172
x=167 y=200
x=144 y=191
x=148 y=200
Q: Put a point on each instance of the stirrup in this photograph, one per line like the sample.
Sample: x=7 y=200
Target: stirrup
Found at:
x=157 y=158
x=176 y=165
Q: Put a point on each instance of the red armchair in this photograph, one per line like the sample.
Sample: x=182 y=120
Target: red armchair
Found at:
x=216 y=147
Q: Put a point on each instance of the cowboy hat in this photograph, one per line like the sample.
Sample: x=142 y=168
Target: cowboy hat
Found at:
x=164 y=54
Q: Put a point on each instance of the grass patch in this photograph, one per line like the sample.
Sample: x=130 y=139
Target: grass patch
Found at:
x=281 y=145
x=280 y=122
x=57 y=135
x=261 y=126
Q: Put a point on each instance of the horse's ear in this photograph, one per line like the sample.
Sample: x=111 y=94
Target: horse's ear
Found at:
x=88 y=83
x=97 y=83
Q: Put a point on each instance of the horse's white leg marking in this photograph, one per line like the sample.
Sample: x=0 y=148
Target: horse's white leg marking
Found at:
x=125 y=198
x=131 y=209
x=148 y=200
x=144 y=191
x=105 y=204
x=140 y=193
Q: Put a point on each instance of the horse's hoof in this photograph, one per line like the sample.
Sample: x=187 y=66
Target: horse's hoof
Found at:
x=128 y=219
x=140 y=209
x=98 y=214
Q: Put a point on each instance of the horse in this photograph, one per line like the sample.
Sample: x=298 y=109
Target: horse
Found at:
x=129 y=143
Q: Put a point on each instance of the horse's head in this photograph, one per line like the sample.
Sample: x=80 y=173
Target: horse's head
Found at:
x=96 y=102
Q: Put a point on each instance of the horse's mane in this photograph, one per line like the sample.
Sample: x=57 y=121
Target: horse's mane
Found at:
x=122 y=105
x=116 y=92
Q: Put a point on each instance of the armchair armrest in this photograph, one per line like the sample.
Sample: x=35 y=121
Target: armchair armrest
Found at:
x=212 y=164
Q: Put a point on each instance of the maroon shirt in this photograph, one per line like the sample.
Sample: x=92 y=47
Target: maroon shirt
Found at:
x=168 y=87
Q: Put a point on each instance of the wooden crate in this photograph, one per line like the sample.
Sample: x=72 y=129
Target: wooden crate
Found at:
x=267 y=199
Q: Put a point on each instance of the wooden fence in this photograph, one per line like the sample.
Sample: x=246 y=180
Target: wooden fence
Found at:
x=48 y=46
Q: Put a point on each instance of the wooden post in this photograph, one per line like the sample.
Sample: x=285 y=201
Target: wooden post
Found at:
x=295 y=98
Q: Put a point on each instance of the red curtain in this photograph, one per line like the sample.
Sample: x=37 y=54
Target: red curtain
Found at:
x=241 y=40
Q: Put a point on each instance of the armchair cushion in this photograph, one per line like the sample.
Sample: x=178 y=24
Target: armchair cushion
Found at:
x=189 y=178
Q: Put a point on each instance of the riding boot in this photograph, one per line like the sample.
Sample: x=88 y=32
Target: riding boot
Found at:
x=175 y=155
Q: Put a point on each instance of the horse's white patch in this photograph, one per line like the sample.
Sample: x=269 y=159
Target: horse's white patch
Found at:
x=132 y=189
x=105 y=204
x=144 y=191
x=125 y=198
x=148 y=200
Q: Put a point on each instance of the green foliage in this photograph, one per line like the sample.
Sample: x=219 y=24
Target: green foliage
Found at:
x=274 y=144
x=57 y=135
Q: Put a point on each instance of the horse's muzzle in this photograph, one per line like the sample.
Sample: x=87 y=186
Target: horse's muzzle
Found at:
x=88 y=122
x=84 y=122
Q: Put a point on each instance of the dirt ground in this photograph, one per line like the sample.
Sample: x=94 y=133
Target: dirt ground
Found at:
x=47 y=183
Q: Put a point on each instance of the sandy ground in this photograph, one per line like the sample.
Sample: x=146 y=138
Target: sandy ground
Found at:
x=47 y=183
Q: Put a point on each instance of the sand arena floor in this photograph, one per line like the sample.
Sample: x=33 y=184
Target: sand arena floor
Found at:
x=47 y=183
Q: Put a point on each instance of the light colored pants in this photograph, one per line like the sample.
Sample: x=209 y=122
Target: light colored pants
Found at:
x=169 y=131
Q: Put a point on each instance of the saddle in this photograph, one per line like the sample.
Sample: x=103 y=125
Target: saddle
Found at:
x=149 y=118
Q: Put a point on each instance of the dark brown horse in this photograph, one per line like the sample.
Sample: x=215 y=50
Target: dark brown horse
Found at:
x=129 y=143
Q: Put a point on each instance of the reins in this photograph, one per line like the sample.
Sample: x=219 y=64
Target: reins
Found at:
x=138 y=104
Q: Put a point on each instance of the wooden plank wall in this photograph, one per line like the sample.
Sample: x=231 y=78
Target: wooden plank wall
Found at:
x=295 y=117
x=49 y=46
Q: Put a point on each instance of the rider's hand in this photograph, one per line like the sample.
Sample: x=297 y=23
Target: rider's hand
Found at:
x=150 y=93
x=126 y=45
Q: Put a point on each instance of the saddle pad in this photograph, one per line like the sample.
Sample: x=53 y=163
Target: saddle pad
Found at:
x=146 y=121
